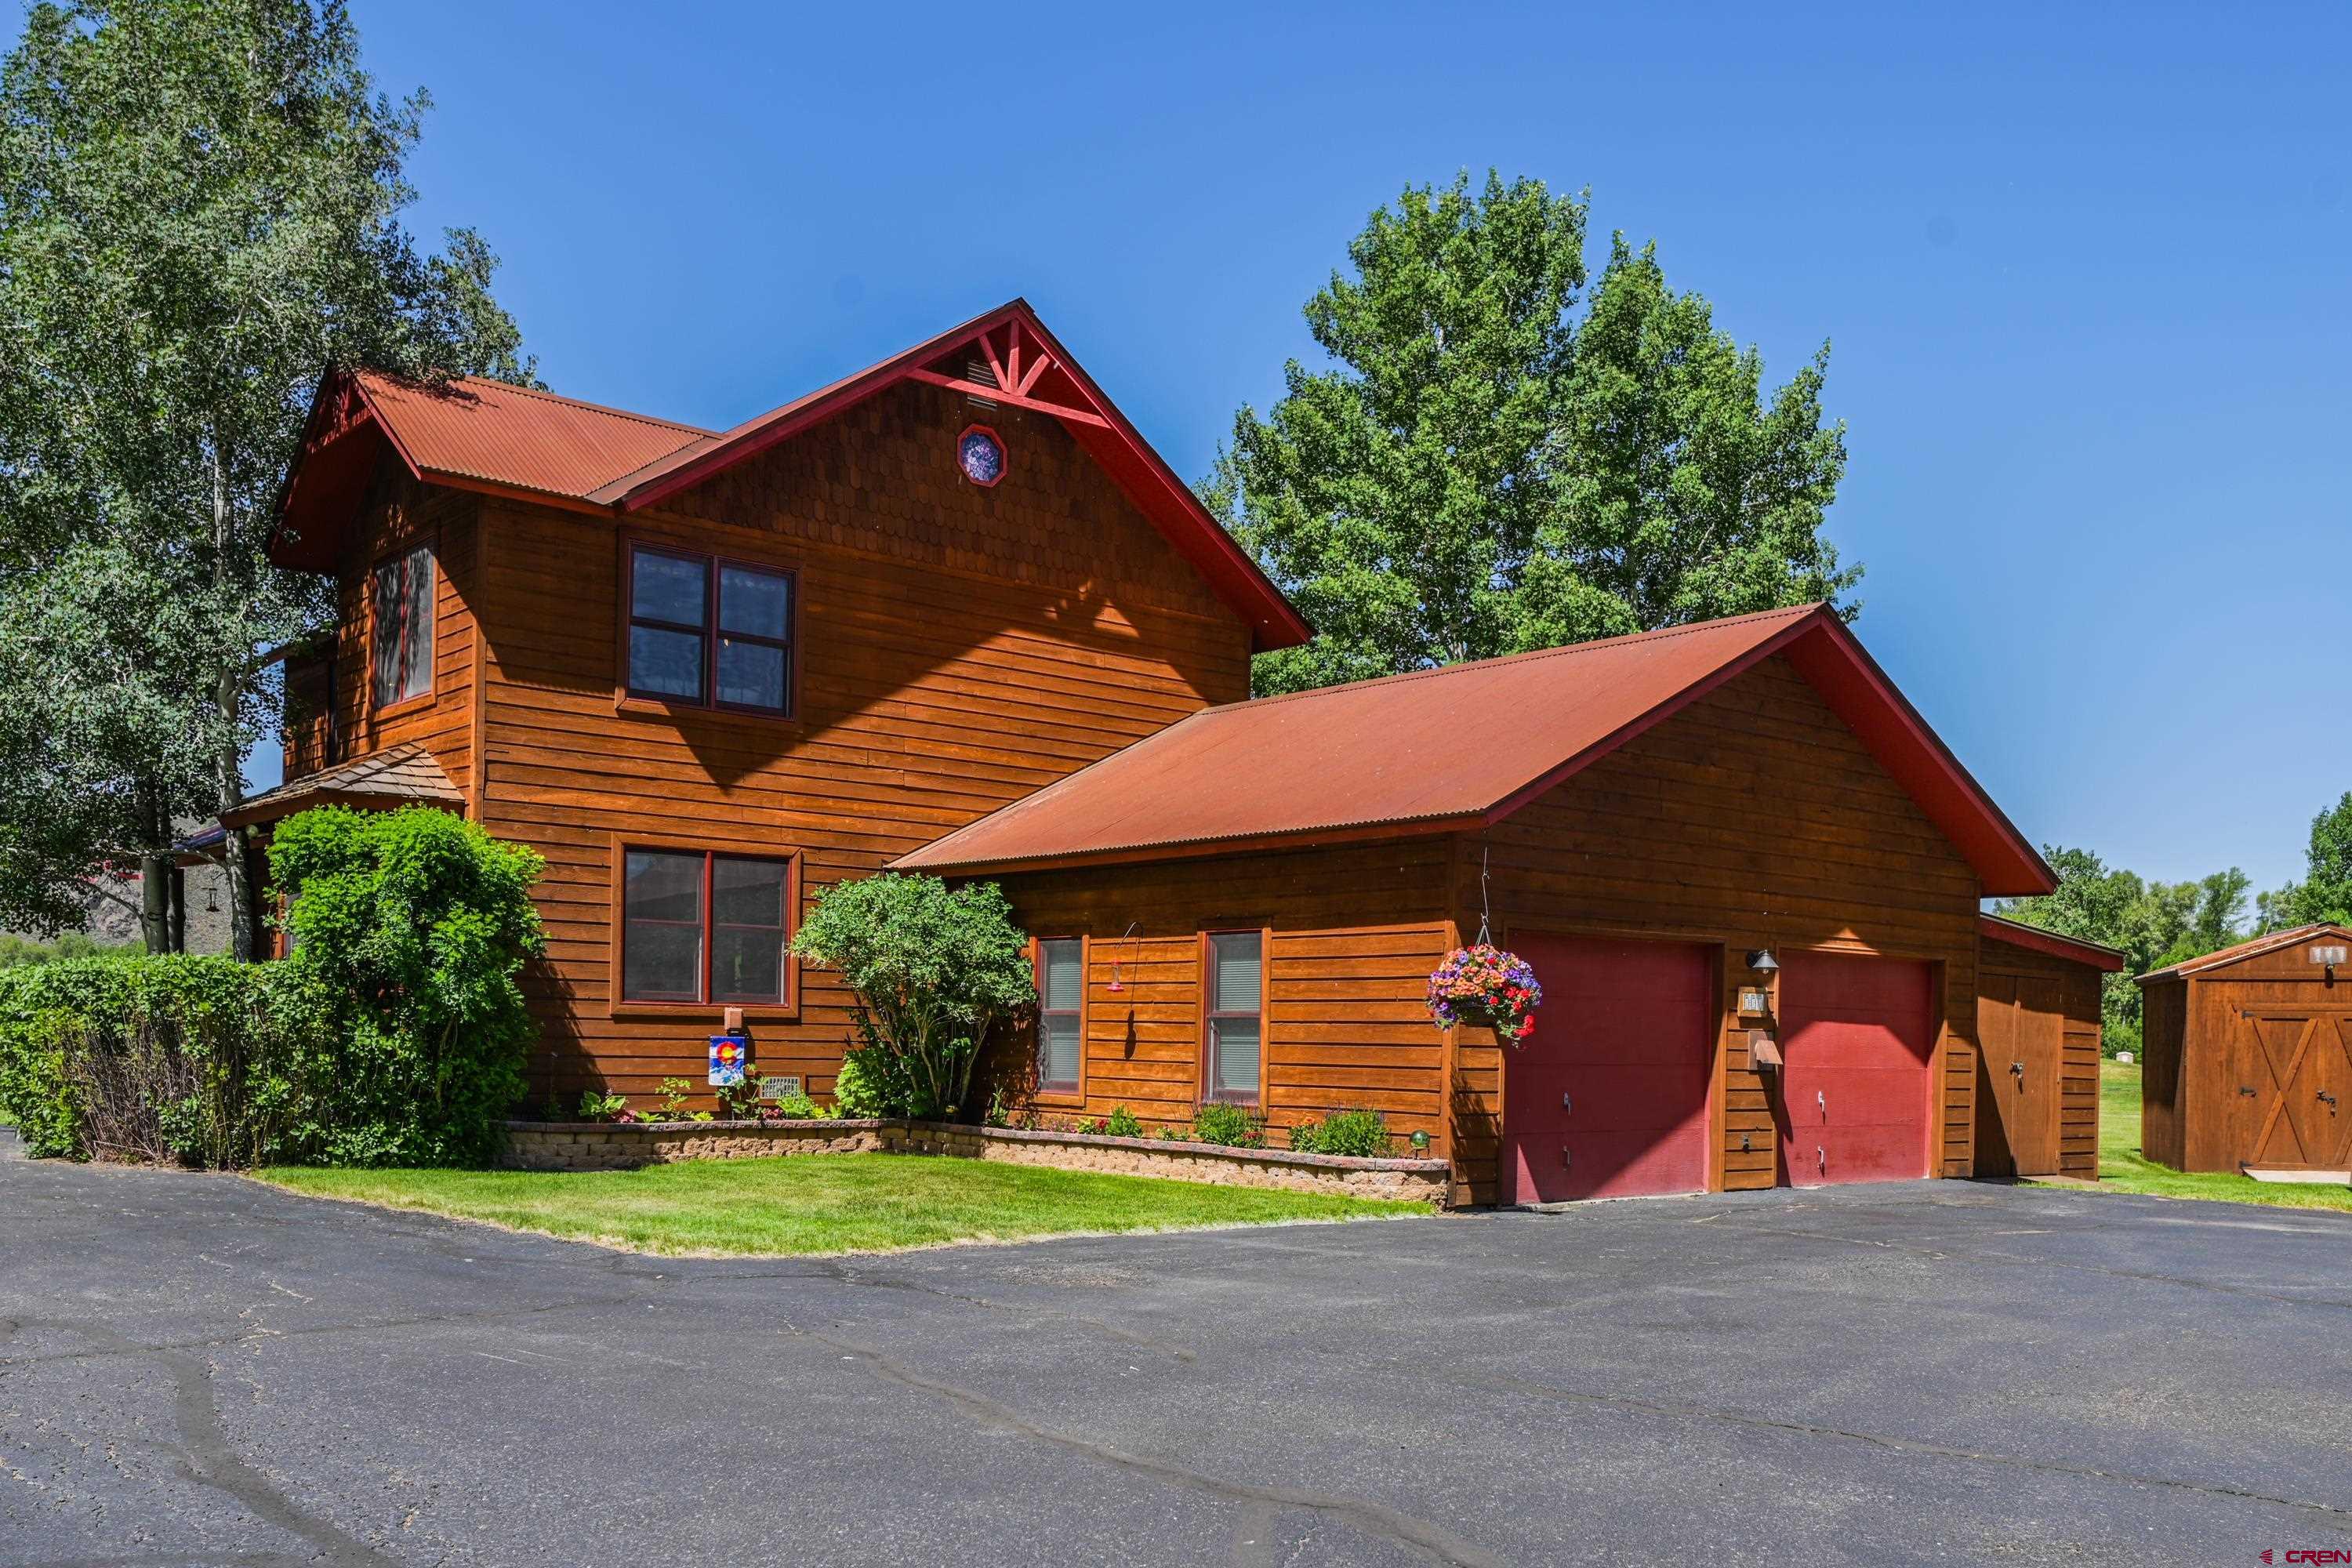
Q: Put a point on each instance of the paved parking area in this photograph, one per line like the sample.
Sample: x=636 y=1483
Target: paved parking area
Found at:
x=197 y=1369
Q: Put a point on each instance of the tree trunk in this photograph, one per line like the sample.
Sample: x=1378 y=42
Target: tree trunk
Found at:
x=155 y=902
x=242 y=943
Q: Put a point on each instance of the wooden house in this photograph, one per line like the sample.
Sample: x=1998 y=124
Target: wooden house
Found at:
x=952 y=613
x=2248 y=1058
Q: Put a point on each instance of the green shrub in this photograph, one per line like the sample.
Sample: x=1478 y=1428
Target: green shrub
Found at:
x=795 y=1108
x=871 y=1083
x=934 y=970
x=20 y=950
x=151 y=1058
x=409 y=928
x=596 y=1106
x=1231 y=1126
x=1122 y=1123
x=1363 y=1135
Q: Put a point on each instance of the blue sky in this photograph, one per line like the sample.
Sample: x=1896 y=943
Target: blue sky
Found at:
x=2084 y=268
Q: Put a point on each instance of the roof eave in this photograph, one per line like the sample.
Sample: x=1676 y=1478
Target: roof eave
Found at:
x=1192 y=848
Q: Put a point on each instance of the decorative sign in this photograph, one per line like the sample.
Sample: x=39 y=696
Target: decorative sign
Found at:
x=1753 y=1000
x=2328 y=955
x=728 y=1057
x=783 y=1087
x=980 y=455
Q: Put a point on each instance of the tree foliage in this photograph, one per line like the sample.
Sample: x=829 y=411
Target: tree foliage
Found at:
x=935 y=970
x=2325 y=893
x=1480 y=472
x=2154 y=924
x=200 y=211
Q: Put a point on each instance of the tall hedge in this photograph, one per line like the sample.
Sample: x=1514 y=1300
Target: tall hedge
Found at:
x=409 y=930
x=393 y=1034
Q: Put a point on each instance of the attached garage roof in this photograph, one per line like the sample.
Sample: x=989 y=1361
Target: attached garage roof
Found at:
x=2017 y=933
x=1459 y=748
x=492 y=437
x=2254 y=947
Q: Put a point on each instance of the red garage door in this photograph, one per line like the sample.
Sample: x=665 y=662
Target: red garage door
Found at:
x=1608 y=1097
x=1857 y=1035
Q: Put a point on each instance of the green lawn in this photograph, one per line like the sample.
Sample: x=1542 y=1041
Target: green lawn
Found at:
x=818 y=1203
x=2124 y=1169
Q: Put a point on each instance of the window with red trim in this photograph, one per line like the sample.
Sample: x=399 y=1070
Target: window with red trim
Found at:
x=1061 y=1012
x=1235 y=991
x=709 y=631
x=402 y=604
x=704 y=927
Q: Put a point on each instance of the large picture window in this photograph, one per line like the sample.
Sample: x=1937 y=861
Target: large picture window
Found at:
x=700 y=927
x=1235 y=989
x=1061 y=1014
x=709 y=632
x=402 y=638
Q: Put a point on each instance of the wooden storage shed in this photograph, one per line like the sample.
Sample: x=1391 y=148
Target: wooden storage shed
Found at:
x=2249 y=1057
x=1704 y=840
x=2038 y=1050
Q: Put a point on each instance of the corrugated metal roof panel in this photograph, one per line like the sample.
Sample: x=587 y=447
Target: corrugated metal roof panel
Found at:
x=516 y=436
x=1432 y=746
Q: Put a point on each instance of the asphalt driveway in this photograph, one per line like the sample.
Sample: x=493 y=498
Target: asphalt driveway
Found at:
x=199 y=1370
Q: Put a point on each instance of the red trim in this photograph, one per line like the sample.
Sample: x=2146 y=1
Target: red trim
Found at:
x=1072 y=1094
x=1210 y=1014
x=1992 y=928
x=618 y=1006
x=1003 y=455
x=1093 y=420
x=714 y=566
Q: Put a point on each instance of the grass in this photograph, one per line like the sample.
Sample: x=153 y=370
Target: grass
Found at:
x=2124 y=1169
x=812 y=1205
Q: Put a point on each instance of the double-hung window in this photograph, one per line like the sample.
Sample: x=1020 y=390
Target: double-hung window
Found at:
x=1061 y=1012
x=705 y=928
x=401 y=602
x=1234 y=988
x=708 y=632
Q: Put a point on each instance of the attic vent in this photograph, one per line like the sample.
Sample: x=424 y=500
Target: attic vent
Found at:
x=977 y=370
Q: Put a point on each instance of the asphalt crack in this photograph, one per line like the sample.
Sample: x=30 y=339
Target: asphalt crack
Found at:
x=1376 y=1519
x=208 y=1456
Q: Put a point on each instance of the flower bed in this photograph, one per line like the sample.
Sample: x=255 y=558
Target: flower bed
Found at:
x=603 y=1146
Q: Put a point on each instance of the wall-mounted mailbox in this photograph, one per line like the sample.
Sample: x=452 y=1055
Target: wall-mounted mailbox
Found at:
x=1754 y=999
x=1763 y=1051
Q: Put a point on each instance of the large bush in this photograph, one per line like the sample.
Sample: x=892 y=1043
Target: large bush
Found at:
x=165 y=1057
x=934 y=970
x=408 y=931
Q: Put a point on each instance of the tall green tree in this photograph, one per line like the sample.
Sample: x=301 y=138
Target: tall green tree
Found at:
x=2325 y=893
x=1481 y=470
x=200 y=208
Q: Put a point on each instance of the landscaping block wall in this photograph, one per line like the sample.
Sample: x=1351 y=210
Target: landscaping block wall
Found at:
x=588 y=1146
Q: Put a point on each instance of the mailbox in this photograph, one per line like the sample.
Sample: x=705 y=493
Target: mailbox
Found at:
x=1763 y=1051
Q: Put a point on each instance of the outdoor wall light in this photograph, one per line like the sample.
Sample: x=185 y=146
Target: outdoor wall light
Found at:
x=1761 y=961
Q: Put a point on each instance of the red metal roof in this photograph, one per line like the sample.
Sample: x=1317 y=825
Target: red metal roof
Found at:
x=486 y=435
x=2016 y=934
x=1462 y=747
x=2253 y=947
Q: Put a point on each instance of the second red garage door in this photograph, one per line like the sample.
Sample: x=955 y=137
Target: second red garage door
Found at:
x=1857 y=1036
x=1608 y=1097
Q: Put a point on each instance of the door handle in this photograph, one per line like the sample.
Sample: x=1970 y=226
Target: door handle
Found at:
x=2329 y=1097
x=1565 y=1161
x=1564 y=1105
x=2247 y=1089
x=2018 y=1069
x=1821 y=1159
x=1821 y=1099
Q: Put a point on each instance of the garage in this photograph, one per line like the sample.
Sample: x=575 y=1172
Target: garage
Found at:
x=1609 y=1097
x=2038 y=1027
x=1858 y=1039
x=2248 y=1058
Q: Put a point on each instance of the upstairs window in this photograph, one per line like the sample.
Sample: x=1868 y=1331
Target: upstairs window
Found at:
x=402 y=604
x=1234 y=988
x=708 y=632
x=1061 y=1012
x=705 y=928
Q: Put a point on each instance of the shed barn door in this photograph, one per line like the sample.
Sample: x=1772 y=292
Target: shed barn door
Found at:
x=2020 y=1070
x=2292 y=1088
x=1608 y=1097
x=1857 y=1039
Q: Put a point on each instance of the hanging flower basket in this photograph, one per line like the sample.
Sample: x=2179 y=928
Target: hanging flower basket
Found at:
x=1488 y=987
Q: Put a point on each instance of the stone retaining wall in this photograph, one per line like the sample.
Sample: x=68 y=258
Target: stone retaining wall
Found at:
x=596 y=1146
